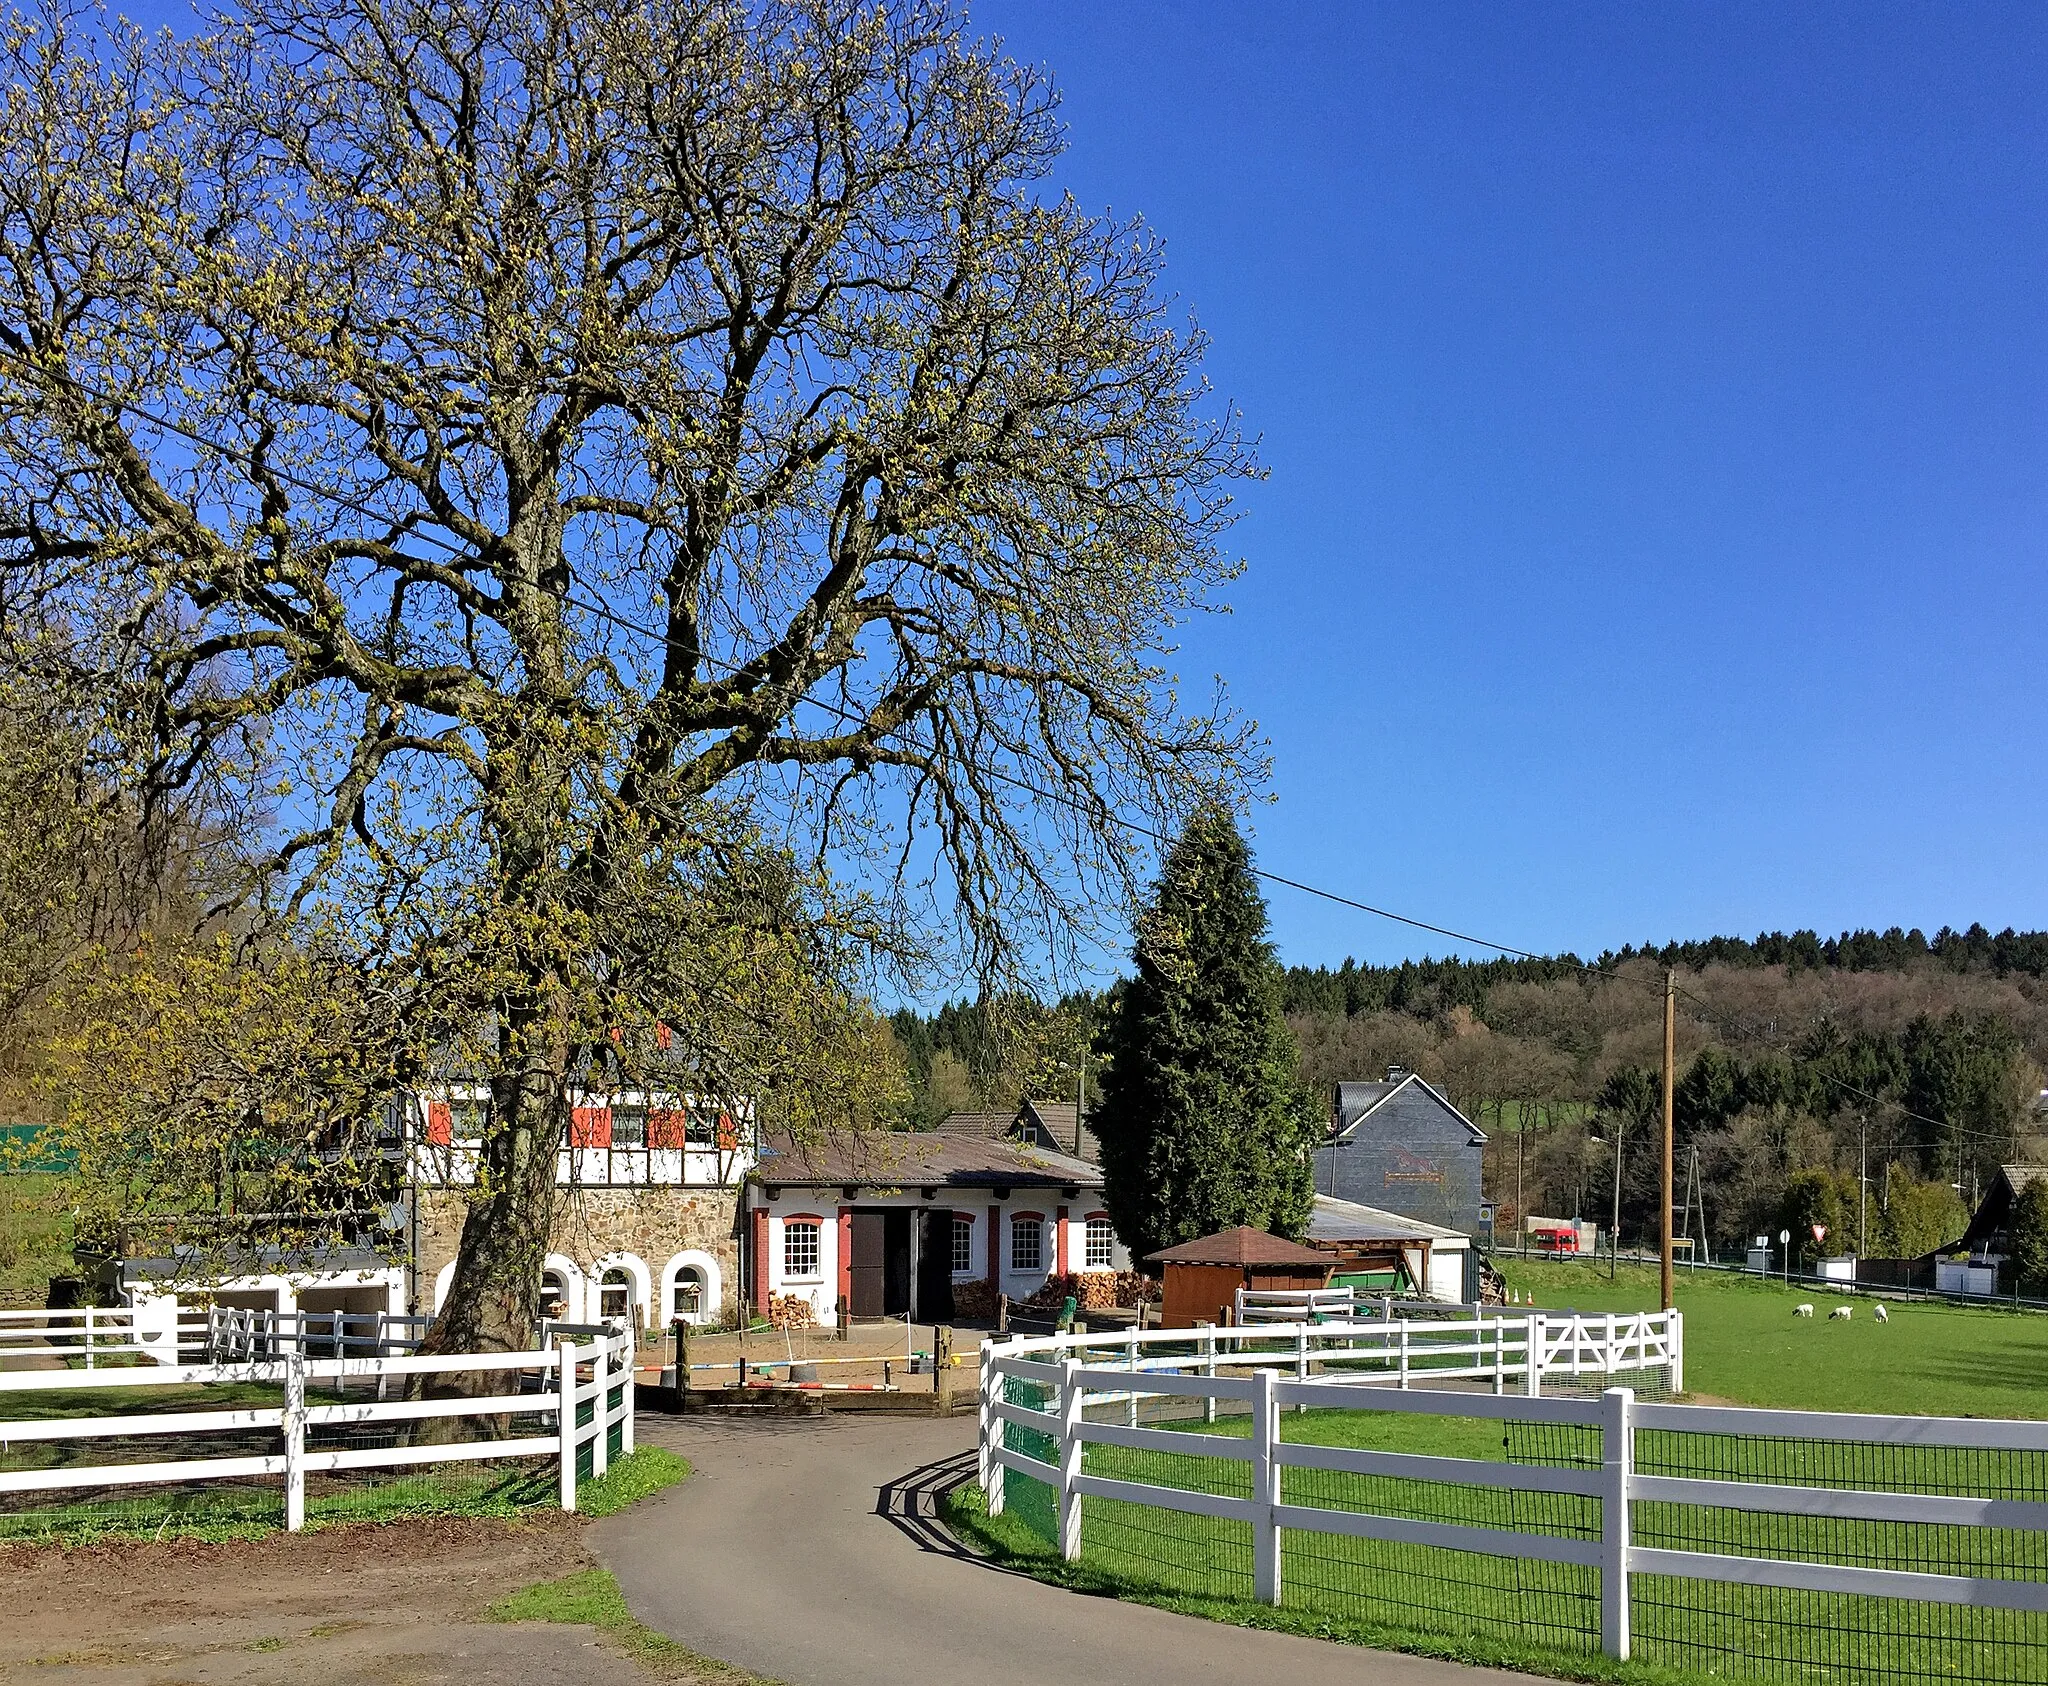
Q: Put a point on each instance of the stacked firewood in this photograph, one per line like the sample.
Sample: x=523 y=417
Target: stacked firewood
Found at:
x=791 y=1311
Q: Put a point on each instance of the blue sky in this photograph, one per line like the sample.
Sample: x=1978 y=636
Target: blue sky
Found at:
x=1656 y=404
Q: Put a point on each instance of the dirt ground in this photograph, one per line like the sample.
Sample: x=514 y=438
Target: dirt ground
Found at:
x=397 y=1604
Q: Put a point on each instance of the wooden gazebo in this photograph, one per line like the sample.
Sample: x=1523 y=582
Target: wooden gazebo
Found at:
x=1204 y=1275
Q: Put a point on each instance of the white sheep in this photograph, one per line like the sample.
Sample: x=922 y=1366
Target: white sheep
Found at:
x=1802 y=1311
x=1840 y=1311
x=1878 y=1312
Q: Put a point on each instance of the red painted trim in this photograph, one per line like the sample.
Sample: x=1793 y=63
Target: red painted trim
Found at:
x=590 y=1126
x=803 y=1217
x=846 y=1258
x=995 y=1248
x=761 y=1260
x=1059 y=1242
x=440 y=1123
x=1085 y=1216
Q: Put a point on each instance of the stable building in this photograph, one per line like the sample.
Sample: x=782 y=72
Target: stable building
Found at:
x=913 y=1223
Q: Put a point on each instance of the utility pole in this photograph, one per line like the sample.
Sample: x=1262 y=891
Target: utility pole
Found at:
x=1521 y=1158
x=1670 y=1085
x=1862 y=1188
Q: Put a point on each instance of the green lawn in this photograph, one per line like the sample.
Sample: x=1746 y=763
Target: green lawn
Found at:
x=1743 y=1344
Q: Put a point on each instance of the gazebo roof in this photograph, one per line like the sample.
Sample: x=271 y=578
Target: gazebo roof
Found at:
x=1242 y=1246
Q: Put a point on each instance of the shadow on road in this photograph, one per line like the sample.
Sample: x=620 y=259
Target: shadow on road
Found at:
x=910 y=1504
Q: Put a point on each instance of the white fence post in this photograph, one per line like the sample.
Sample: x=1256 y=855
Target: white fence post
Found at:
x=1610 y=1360
x=1535 y=1355
x=1674 y=1346
x=1617 y=1460
x=988 y=1423
x=601 y=1408
x=1071 y=1448
x=1404 y=1353
x=89 y=1361
x=1500 y=1368
x=566 y=1355
x=627 y=1440
x=1209 y=1370
x=1265 y=1492
x=295 y=1442
x=1131 y=1363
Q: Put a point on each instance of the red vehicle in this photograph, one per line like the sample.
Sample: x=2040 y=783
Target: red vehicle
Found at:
x=1558 y=1240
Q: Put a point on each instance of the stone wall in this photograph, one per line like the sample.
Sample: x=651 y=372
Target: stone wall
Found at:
x=653 y=1224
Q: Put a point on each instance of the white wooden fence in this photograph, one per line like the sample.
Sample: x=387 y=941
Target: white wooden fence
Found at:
x=1072 y=1375
x=1509 y=1353
x=552 y=1384
x=94 y=1333
x=238 y=1335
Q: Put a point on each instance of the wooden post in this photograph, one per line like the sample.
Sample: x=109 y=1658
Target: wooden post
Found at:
x=682 y=1329
x=566 y=1424
x=1002 y=1314
x=1265 y=1491
x=1070 y=1450
x=942 y=1356
x=842 y=1325
x=1664 y=1174
x=1616 y=1457
x=295 y=1442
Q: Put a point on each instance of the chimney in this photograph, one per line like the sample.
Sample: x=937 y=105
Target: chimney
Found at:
x=1396 y=1072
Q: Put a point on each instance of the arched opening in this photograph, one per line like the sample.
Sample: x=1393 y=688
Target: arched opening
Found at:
x=554 y=1295
x=691 y=1294
x=615 y=1295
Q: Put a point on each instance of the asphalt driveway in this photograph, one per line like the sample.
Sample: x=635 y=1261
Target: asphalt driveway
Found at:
x=808 y=1551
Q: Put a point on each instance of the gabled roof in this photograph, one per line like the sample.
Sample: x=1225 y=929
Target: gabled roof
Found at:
x=1357 y=1102
x=1048 y=1125
x=914 y=1158
x=1347 y=1220
x=1241 y=1246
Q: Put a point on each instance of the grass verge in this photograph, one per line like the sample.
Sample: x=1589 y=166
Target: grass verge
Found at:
x=591 y=1598
x=223 y=1514
x=1008 y=1541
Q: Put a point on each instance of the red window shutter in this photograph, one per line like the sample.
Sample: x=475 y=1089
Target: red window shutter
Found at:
x=666 y=1126
x=440 y=1123
x=662 y=1037
x=728 y=1134
x=590 y=1126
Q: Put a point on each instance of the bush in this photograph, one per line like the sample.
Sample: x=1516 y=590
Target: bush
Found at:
x=2030 y=1237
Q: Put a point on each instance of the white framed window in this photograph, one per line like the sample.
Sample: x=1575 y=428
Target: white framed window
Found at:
x=800 y=1249
x=1099 y=1249
x=629 y=1126
x=963 y=1245
x=1027 y=1244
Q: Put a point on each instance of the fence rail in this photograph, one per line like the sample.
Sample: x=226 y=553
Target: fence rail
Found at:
x=581 y=1391
x=93 y=1334
x=1859 y=1546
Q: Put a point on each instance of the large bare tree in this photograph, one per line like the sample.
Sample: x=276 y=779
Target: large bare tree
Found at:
x=532 y=444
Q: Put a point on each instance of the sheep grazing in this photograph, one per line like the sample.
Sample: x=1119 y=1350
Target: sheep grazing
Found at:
x=1878 y=1312
x=1802 y=1311
x=1840 y=1311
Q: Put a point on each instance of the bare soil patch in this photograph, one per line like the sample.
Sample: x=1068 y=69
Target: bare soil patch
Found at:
x=394 y=1604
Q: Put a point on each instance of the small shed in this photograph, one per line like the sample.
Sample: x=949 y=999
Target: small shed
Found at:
x=1204 y=1275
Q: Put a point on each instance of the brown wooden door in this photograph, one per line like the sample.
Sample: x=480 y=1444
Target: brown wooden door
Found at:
x=868 y=1291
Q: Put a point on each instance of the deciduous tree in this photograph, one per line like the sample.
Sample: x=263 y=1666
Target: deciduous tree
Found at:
x=539 y=445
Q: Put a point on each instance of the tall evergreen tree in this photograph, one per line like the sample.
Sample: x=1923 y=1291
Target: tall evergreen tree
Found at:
x=1203 y=1120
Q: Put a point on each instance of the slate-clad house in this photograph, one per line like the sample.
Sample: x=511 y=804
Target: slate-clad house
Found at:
x=1401 y=1146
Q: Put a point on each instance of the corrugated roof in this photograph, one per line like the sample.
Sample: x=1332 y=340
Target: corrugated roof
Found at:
x=1347 y=1220
x=1240 y=1246
x=910 y=1158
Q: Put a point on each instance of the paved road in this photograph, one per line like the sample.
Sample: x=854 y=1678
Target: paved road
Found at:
x=808 y=1551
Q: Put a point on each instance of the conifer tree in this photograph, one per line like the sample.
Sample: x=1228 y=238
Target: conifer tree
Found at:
x=1203 y=1121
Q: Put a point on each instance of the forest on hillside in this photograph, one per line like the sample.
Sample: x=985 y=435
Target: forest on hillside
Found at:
x=1920 y=1057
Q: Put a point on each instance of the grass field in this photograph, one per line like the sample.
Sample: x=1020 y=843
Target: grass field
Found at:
x=1743 y=1344
x=1514 y=1612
